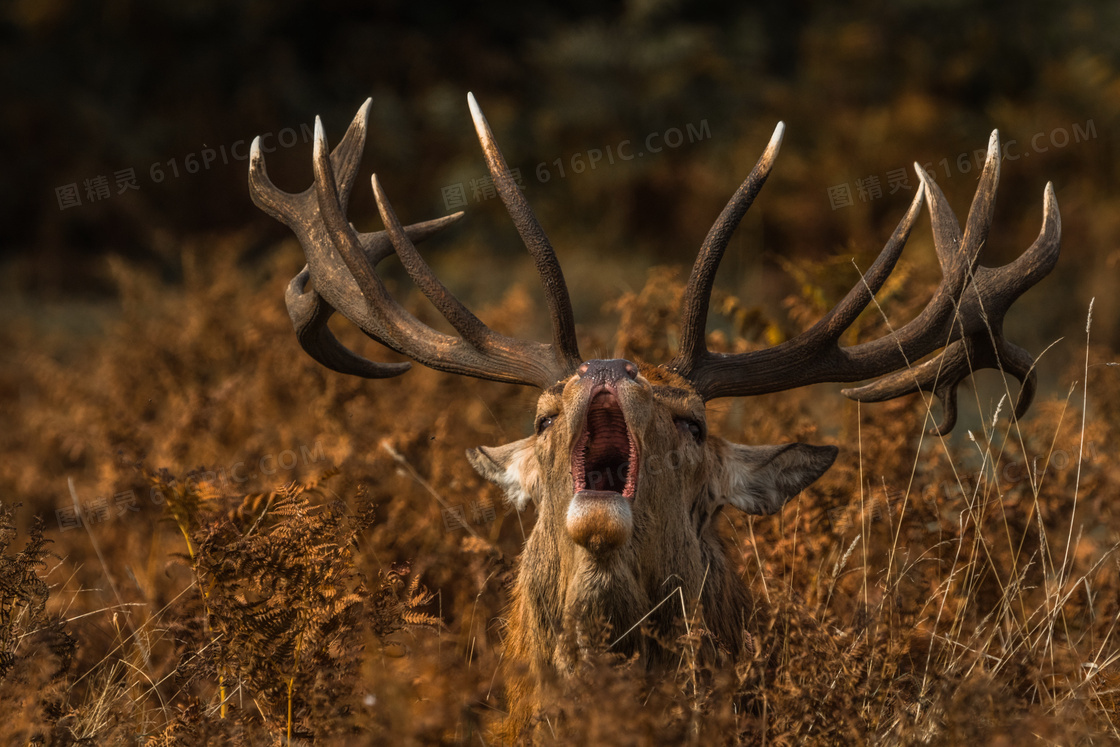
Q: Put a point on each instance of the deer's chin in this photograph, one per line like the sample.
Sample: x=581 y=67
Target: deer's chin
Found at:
x=599 y=520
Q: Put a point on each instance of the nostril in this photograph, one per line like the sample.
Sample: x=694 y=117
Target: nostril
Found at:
x=608 y=371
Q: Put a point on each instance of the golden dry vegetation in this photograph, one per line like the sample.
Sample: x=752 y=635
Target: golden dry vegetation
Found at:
x=267 y=551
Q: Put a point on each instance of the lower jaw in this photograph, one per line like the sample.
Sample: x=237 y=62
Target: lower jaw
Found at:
x=600 y=520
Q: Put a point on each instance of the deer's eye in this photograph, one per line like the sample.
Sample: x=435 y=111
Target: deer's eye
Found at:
x=691 y=427
x=544 y=422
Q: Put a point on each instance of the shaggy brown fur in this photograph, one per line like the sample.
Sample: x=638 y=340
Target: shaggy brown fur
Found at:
x=669 y=558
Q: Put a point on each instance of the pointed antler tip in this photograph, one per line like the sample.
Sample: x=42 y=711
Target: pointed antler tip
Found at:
x=361 y=119
x=388 y=215
x=1049 y=198
x=1051 y=216
x=923 y=177
x=476 y=111
x=779 y=132
x=379 y=194
x=993 y=150
x=776 y=139
x=255 y=151
x=320 y=145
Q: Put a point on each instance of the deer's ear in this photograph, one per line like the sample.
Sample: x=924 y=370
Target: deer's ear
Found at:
x=760 y=479
x=511 y=467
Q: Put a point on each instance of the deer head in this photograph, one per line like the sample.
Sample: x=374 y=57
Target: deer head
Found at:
x=626 y=477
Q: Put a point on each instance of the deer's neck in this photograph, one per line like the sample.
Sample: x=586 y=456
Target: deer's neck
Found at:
x=565 y=599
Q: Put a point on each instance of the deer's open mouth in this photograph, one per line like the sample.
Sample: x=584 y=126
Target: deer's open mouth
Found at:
x=605 y=458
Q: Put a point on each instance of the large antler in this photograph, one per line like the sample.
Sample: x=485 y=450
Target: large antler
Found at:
x=964 y=317
x=341 y=261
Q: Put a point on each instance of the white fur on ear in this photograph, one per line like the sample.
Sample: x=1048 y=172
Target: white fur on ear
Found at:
x=512 y=467
x=760 y=479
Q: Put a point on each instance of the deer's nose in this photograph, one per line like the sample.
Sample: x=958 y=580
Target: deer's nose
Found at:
x=607 y=371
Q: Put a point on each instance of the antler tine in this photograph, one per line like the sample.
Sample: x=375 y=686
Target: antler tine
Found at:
x=308 y=309
x=963 y=319
x=943 y=374
x=297 y=211
x=957 y=255
x=310 y=312
x=519 y=354
x=462 y=319
x=844 y=314
x=979 y=221
x=291 y=209
x=982 y=312
x=814 y=355
x=565 y=344
x=698 y=293
x=519 y=362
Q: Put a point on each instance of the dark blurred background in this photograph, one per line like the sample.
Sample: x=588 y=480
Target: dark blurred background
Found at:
x=126 y=124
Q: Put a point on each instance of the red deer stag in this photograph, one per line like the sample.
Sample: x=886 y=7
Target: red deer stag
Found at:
x=627 y=480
